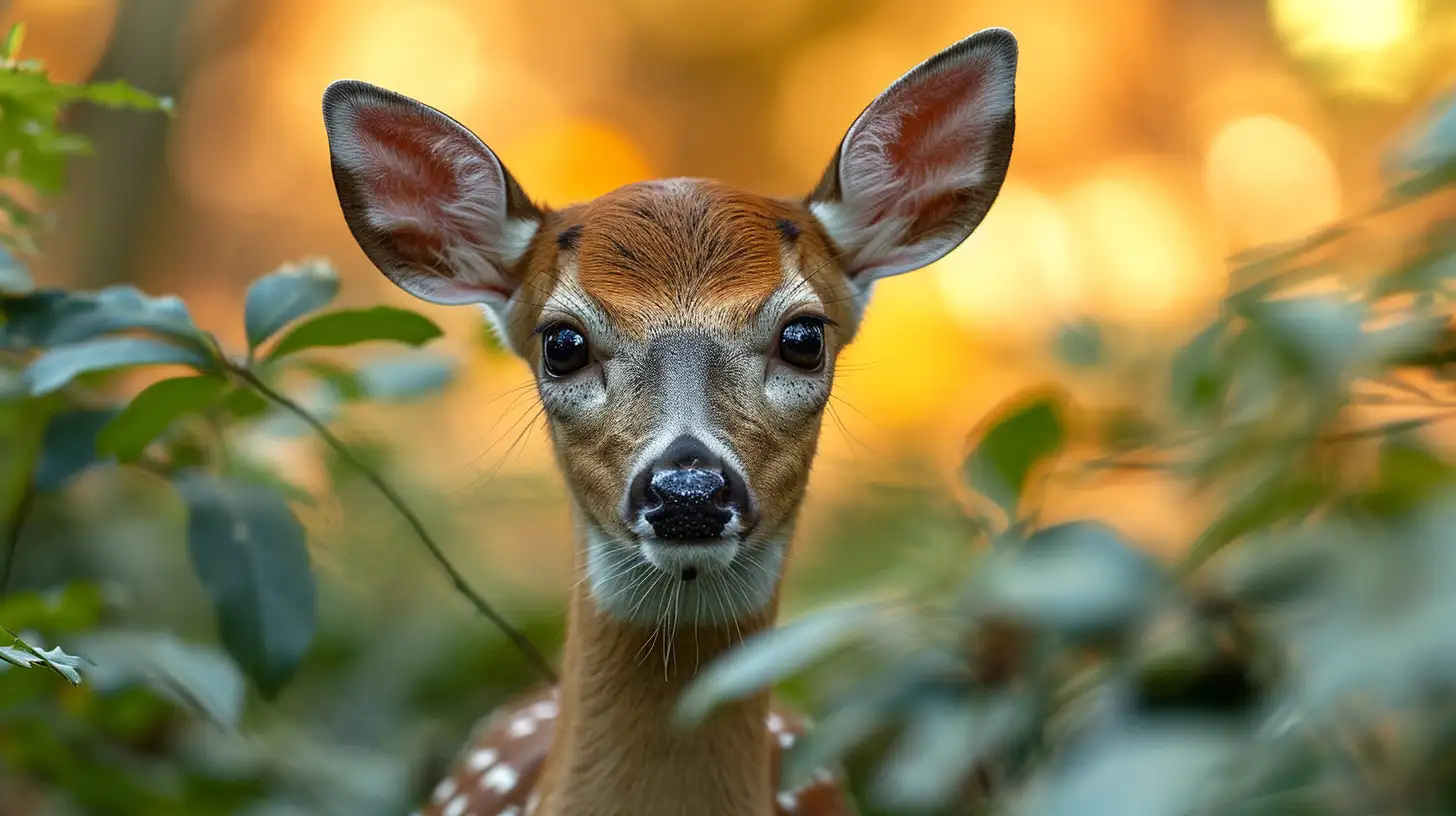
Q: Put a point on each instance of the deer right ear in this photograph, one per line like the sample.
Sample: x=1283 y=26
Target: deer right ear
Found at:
x=919 y=168
x=427 y=201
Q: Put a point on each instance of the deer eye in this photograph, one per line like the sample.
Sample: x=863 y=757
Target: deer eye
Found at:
x=801 y=343
x=563 y=349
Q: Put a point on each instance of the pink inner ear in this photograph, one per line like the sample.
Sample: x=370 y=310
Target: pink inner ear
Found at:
x=412 y=167
x=931 y=139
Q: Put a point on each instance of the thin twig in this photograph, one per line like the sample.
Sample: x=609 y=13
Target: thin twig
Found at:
x=12 y=533
x=342 y=450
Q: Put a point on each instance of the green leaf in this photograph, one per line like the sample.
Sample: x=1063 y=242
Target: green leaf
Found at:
x=1409 y=475
x=242 y=402
x=348 y=327
x=945 y=739
x=55 y=368
x=1199 y=377
x=1080 y=343
x=10 y=51
x=151 y=412
x=69 y=446
x=74 y=607
x=201 y=679
x=250 y=554
x=768 y=657
x=119 y=94
x=1002 y=461
x=24 y=655
x=278 y=299
x=14 y=279
x=1079 y=579
x=1320 y=336
x=1270 y=501
x=126 y=308
x=407 y=377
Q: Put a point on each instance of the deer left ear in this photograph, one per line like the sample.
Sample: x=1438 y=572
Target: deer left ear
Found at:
x=919 y=168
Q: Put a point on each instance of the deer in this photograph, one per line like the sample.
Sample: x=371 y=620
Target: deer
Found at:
x=682 y=335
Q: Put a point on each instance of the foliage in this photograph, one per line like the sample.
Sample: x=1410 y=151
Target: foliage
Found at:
x=1295 y=658
x=143 y=721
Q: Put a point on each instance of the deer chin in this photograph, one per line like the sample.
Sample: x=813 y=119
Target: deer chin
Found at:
x=652 y=582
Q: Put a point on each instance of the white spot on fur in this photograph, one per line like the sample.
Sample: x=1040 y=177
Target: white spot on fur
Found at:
x=501 y=779
x=444 y=790
x=457 y=806
x=544 y=710
x=482 y=759
x=522 y=726
x=788 y=801
x=786 y=739
x=510 y=810
x=775 y=722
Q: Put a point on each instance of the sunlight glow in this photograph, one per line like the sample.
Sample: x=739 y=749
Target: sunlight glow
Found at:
x=1269 y=180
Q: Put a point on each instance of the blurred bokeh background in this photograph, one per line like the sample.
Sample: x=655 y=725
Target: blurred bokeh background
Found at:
x=1155 y=138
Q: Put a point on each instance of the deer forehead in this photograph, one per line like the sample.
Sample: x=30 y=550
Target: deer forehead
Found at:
x=684 y=253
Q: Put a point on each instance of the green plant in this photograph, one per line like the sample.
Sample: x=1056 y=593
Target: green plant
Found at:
x=1295 y=659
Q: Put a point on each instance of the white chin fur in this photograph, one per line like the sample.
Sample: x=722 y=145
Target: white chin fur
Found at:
x=643 y=583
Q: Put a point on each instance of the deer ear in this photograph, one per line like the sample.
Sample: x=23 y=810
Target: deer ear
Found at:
x=427 y=201
x=919 y=168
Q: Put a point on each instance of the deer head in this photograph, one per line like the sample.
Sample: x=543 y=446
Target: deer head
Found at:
x=683 y=334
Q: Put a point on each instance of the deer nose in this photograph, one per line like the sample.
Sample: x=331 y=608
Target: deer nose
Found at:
x=689 y=494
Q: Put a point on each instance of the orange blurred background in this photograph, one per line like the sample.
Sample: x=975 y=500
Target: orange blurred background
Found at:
x=1154 y=139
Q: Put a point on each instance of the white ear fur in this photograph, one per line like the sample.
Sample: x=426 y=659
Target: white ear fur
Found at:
x=920 y=167
x=427 y=201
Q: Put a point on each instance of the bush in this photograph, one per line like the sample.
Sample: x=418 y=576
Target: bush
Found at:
x=1296 y=659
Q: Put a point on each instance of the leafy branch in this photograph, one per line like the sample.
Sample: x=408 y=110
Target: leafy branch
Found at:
x=456 y=579
x=246 y=544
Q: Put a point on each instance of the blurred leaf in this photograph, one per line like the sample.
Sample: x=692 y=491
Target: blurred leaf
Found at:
x=1079 y=579
x=945 y=740
x=10 y=51
x=250 y=554
x=342 y=382
x=74 y=607
x=348 y=327
x=1080 y=344
x=55 y=368
x=1409 y=476
x=1430 y=163
x=1199 y=377
x=198 y=678
x=1277 y=498
x=1320 y=335
x=126 y=308
x=14 y=279
x=275 y=300
x=871 y=704
x=1001 y=462
x=69 y=446
x=24 y=655
x=242 y=402
x=770 y=656
x=406 y=377
x=151 y=412
x=118 y=94
x=1145 y=769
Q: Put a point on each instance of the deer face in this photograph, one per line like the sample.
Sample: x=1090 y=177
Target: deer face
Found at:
x=682 y=333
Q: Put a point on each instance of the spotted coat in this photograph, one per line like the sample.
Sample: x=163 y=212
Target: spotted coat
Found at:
x=496 y=774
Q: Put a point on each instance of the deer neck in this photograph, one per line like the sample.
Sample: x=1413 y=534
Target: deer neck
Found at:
x=617 y=749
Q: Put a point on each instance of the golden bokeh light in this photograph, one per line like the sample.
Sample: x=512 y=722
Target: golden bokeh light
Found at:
x=1269 y=180
x=574 y=159
x=1345 y=26
x=1148 y=260
x=1018 y=272
x=1365 y=48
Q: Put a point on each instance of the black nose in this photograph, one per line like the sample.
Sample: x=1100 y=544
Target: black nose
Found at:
x=688 y=494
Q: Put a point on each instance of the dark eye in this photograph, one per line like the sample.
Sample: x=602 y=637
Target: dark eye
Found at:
x=563 y=349
x=801 y=344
